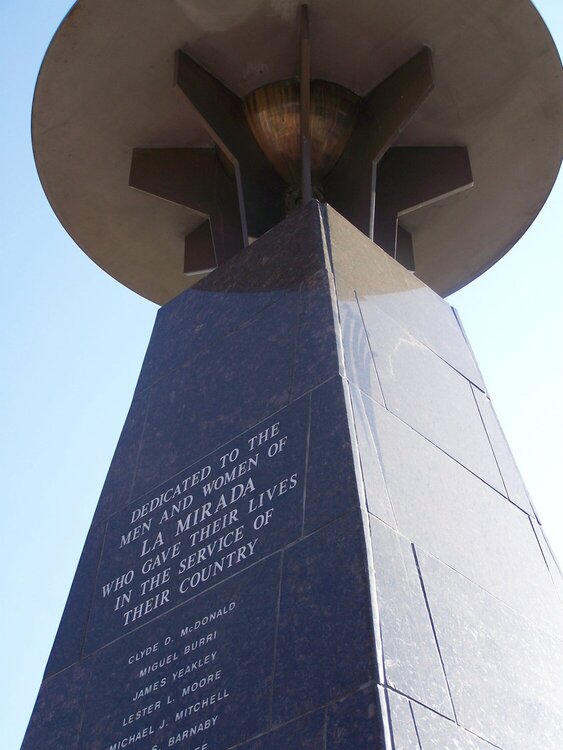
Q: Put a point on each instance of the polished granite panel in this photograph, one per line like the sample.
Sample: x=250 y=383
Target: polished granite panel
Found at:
x=437 y=733
x=361 y=266
x=549 y=557
x=415 y=727
x=215 y=624
x=355 y=722
x=316 y=352
x=429 y=395
x=56 y=718
x=403 y=730
x=331 y=477
x=377 y=495
x=479 y=381
x=281 y=258
x=69 y=641
x=504 y=674
x=218 y=516
x=236 y=292
x=358 y=360
x=410 y=655
x=512 y=479
x=201 y=673
x=194 y=321
x=117 y=488
x=462 y=521
x=223 y=392
x=307 y=733
x=325 y=635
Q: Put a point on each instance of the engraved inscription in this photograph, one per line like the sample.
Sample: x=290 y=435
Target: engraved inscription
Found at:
x=218 y=517
x=184 y=609
x=183 y=677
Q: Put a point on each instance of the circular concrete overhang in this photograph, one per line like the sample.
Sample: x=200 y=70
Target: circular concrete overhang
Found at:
x=106 y=86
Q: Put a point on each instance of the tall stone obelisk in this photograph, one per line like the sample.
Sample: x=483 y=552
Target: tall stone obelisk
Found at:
x=312 y=534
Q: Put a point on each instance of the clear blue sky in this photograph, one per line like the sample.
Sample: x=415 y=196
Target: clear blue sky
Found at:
x=72 y=345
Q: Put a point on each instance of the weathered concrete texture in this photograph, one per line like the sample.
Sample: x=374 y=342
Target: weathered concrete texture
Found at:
x=312 y=533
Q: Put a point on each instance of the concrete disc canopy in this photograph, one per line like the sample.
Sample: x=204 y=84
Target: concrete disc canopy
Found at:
x=107 y=86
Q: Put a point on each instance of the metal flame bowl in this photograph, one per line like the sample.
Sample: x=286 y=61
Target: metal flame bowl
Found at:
x=273 y=112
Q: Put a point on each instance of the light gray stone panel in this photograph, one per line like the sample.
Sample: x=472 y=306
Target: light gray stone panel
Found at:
x=505 y=675
x=549 y=557
x=429 y=395
x=377 y=495
x=411 y=659
x=437 y=733
x=358 y=358
x=367 y=269
x=511 y=477
x=462 y=521
x=403 y=731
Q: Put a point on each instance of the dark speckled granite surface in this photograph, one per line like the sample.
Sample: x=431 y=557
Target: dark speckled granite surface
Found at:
x=307 y=733
x=356 y=721
x=201 y=615
x=57 y=716
x=325 y=645
x=312 y=534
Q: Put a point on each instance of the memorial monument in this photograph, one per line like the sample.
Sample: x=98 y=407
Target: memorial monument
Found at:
x=312 y=534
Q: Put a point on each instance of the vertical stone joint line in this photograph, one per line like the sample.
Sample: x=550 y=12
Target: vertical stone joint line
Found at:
x=427 y=603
